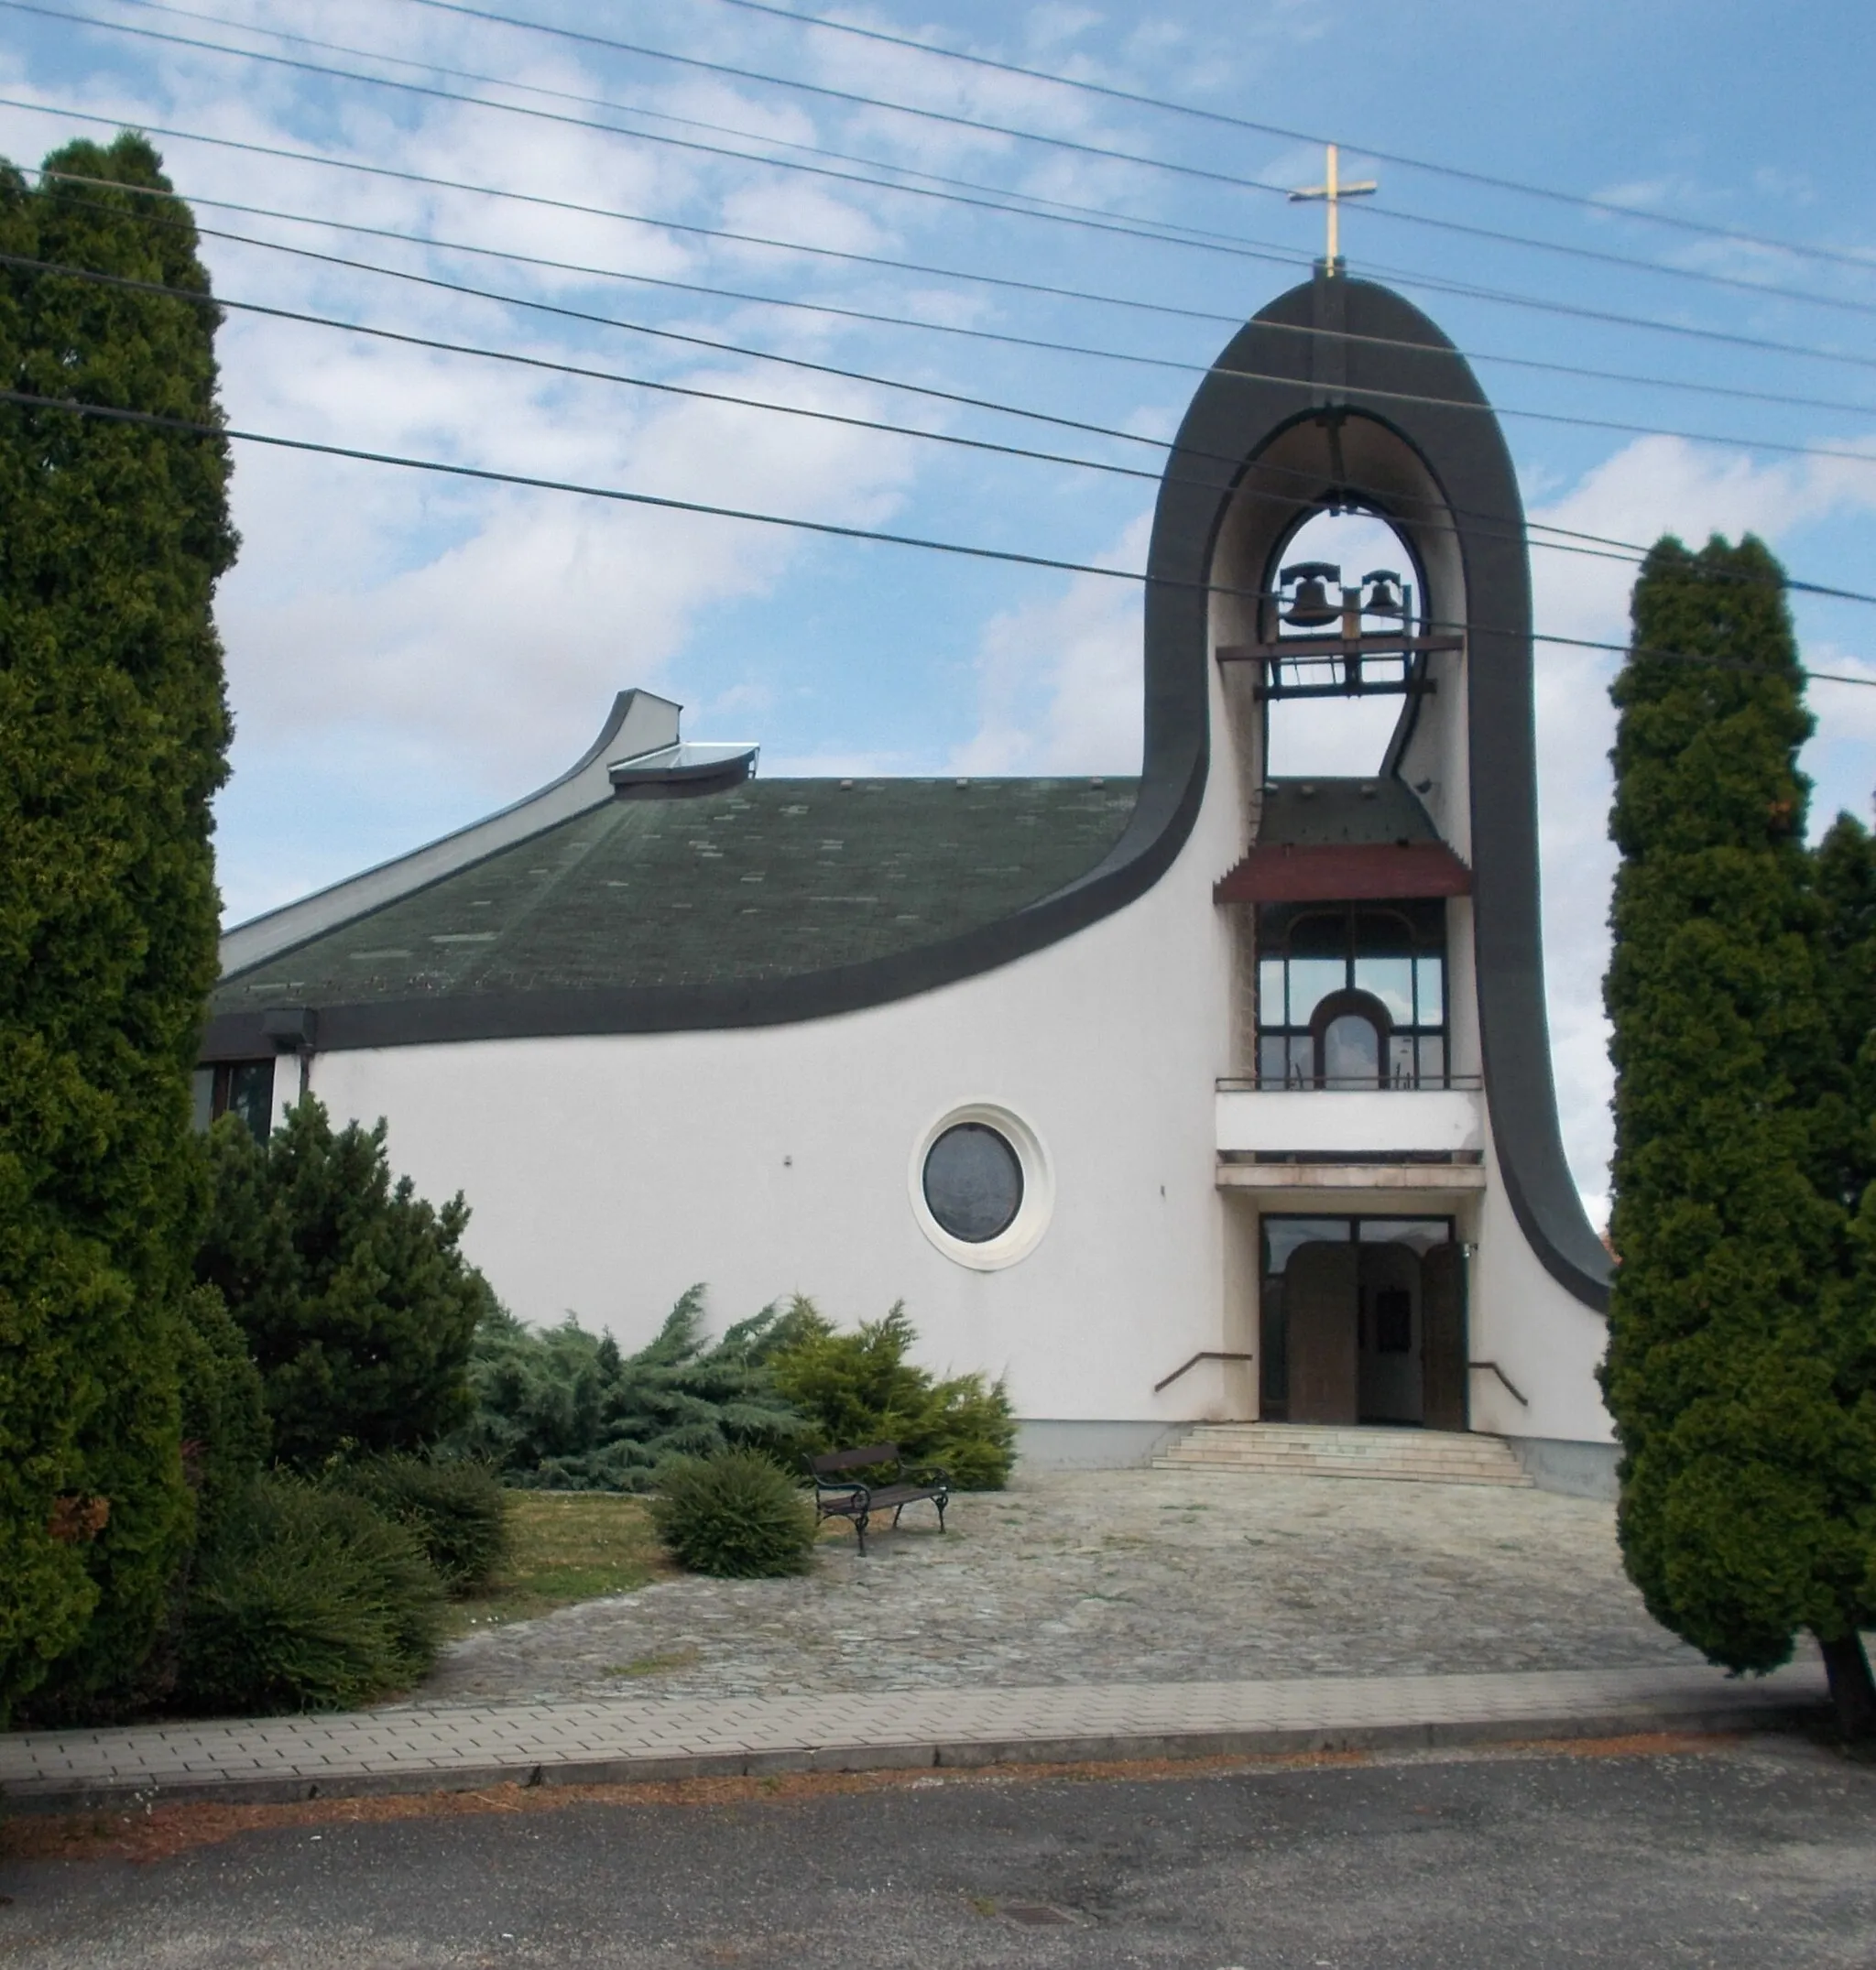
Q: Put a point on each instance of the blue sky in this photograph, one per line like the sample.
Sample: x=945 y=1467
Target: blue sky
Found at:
x=406 y=652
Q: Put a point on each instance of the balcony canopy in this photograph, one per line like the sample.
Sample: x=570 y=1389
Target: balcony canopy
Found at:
x=1339 y=872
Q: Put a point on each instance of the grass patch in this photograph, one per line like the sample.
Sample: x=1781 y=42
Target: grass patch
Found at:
x=564 y=1547
x=654 y=1665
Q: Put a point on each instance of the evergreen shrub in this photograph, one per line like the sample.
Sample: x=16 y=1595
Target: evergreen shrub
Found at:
x=352 y=1291
x=858 y=1388
x=114 y=734
x=454 y=1506
x=565 y=1409
x=226 y=1437
x=736 y=1515
x=308 y=1598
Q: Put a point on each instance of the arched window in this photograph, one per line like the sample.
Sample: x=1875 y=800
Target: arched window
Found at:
x=1351 y=1030
x=1352 y=996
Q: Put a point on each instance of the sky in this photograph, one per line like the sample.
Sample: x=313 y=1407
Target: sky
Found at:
x=408 y=651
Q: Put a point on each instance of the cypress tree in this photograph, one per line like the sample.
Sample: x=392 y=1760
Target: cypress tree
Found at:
x=112 y=739
x=1748 y=1449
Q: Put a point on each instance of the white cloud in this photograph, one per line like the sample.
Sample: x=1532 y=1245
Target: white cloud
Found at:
x=1059 y=681
x=1653 y=486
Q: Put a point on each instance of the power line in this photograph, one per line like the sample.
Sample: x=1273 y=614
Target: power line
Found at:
x=520 y=358
x=1607 y=207
x=1285 y=258
x=1108 y=152
x=1053 y=347
x=991 y=404
x=606 y=212
x=960 y=191
x=1434 y=516
x=222 y=432
x=966 y=192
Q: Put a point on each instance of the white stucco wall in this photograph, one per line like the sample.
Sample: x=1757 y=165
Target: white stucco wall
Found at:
x=606 y=1174
x=1547 y=1342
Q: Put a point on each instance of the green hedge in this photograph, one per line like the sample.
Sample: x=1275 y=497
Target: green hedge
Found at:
x=352 y=1291
x=737 y=1515
x=565 y=1409
x=857 y=1389
x=454 y=1506
x=307 y=1599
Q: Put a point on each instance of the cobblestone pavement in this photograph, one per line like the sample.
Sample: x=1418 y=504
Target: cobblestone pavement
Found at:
x=1114 y=1577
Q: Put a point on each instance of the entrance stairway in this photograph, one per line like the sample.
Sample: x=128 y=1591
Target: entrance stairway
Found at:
x=1319 y=1449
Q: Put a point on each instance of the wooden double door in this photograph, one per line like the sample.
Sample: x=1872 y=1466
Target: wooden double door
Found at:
x=1375 y=1333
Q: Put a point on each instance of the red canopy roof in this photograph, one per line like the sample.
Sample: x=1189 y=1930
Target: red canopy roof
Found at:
x=1282 y=872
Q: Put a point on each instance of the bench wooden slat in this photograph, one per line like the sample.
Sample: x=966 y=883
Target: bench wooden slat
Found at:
x=839 y=1493
x=854 y=1460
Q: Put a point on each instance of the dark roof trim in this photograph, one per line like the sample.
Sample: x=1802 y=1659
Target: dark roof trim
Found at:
x=1286 y=873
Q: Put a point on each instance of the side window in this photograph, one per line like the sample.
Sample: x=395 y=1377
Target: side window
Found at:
x=242 y=1088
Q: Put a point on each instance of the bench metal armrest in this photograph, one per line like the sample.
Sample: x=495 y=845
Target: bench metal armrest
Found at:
x=933 y=1475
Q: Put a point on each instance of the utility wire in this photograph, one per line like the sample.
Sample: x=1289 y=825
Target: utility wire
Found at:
x=26 y=399
x=1607 y=207
x=1110 y=153
x=1017 y=410
x=1602 y=548
x=949 y=190
x=1403 y=276
x=1049 y=346
x=966 y=192
x=410 y=339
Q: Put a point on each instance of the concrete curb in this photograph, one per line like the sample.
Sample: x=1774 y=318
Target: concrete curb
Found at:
x=1682 y=1702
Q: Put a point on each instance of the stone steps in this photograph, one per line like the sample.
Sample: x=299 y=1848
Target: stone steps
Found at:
x=1311 y=1450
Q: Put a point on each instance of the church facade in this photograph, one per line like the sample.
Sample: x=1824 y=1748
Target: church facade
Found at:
x=1209 y=1094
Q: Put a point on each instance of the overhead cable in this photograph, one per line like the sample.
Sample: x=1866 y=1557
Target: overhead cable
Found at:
x=1608 y=208
x=1139 y=578
x=1284 y=257
x=973 y=402
x=1433 y=515
x=960 y=330
x=949 y=190
x=1389 y=213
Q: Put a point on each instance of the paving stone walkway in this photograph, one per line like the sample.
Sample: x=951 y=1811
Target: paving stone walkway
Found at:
x=546 y=1744
x=1102 y=1615
x=1116 y=1577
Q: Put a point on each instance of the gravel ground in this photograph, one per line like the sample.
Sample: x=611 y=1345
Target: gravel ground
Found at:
x=1116 y=1576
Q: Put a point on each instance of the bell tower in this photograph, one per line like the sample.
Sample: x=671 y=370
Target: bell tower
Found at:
x=1390 y=1122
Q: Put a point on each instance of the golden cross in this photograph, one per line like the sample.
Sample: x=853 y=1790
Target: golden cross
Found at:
x=1332 y=191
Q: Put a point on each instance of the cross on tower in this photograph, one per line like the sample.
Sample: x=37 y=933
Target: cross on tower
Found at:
x=1332 y=191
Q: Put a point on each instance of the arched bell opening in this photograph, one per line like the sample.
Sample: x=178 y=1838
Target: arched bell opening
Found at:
x=1355 y=713
x=1343 y=572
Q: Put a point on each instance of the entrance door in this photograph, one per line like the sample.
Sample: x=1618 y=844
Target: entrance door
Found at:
x=1319 y=1297
x=1363 y=1321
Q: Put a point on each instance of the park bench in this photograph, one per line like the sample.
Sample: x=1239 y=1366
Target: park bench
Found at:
x=840 y=1492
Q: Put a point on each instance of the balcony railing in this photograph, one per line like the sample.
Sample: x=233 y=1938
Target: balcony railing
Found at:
x=1365 y=1084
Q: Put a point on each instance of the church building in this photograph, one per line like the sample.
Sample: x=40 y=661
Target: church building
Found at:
x=1214 y=1094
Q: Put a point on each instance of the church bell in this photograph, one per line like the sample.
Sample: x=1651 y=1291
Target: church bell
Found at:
x=1310 y=606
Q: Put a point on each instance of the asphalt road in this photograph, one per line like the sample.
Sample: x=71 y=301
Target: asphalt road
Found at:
x=1755 y=1854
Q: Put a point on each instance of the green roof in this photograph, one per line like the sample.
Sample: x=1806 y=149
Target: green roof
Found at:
x=772 y=879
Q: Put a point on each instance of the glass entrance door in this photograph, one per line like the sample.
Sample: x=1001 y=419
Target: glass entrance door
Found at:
x=1363 y=1322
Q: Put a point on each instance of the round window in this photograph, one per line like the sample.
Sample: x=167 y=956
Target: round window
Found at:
x=973 y=1182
